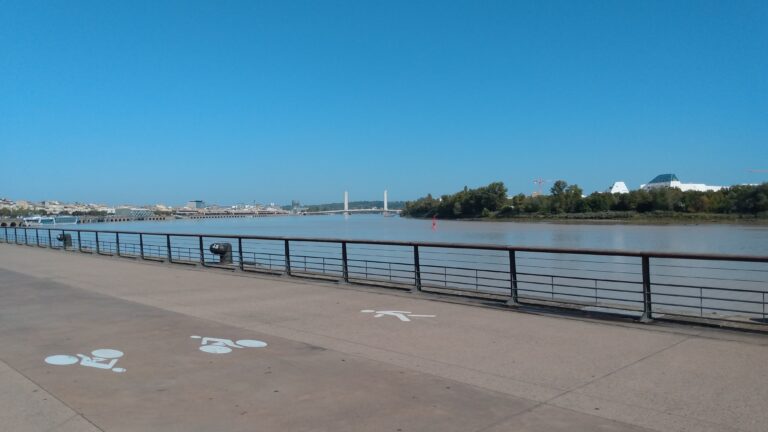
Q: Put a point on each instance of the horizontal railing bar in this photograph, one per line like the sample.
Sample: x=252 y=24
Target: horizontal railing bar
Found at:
x=708 y=308
x=711 y=268
x=587 y=304
x=662 y=284
x=709 y=277
x=474 y=276
x=578 y=269
x=520 y=282
x=708 y=298
x=580 y=278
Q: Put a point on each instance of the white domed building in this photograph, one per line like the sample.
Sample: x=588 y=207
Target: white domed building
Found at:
x=671 y=181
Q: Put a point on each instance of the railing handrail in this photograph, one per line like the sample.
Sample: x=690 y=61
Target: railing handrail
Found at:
x=425 y=275
x=445 y=245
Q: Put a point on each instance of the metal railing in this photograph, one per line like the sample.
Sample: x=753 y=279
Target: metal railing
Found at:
x=645 y=285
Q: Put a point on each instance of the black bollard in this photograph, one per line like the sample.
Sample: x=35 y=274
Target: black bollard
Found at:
x=224 y=251
x=66 y=239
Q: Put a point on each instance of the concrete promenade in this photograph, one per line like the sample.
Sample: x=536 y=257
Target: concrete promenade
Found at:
x=330 y=367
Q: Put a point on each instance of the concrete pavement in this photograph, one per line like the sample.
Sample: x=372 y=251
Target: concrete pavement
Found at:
x=328 y=366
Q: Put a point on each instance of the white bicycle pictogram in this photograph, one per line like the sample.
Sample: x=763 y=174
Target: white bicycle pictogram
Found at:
x=103 y=358
x=223 y=346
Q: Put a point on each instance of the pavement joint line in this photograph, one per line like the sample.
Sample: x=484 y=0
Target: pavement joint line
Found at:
x=621 y=368
x=74 y=416
x=540 y=404
x=673 y=345
x=511 y=416
x=76 y=413
x=720 y=425
x=673 y=327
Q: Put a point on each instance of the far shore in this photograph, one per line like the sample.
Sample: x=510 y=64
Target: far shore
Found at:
x=687 y=219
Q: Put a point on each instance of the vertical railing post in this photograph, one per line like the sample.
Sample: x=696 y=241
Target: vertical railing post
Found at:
x=50 y=242
x=6 y=234
x=416 y=269
x=344 y=262
x=552 y=286
x=26 y=237
x=168 y=247
x=240 y=252
x=63 y=241
x=37 y=237
x=15 y=235
x=513 y=301
x=287 y=258
x=141 y=245
x=98 y=247
x=79 y=242
x=202 y=253
x=117 y=242
x=647 y=301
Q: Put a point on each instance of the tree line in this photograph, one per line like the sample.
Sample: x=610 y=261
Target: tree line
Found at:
x=565 y=199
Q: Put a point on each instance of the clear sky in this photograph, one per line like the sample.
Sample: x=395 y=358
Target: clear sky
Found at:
x=226 y=101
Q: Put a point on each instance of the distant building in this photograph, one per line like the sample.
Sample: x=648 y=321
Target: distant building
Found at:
x=618 y=188
x=160 y=208
x=196 y=204
x=133 y=212
x=671 y=181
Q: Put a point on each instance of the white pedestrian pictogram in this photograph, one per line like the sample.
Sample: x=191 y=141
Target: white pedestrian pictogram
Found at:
x=401 y=315
x=223 y=346
x=104 y=358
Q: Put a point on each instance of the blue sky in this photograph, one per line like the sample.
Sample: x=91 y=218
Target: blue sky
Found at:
x=143 y=102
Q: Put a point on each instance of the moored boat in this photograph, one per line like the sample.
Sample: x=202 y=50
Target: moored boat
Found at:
x=49 y=221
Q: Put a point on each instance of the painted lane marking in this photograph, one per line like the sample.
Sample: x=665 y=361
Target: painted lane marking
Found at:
x=401 y=315
x=103 y=358
x=212 y=345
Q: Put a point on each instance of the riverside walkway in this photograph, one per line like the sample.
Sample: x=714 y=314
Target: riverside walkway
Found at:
x=340 y=358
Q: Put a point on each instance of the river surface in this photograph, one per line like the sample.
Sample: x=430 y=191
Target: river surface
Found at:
x=699 y=238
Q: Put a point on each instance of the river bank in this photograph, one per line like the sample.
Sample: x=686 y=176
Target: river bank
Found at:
x=629 y=218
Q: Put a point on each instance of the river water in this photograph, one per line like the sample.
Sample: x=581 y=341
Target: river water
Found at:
x=702 y=288
x=694 y=238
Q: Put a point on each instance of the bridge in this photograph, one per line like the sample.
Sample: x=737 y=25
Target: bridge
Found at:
x=354 y=211
x=385 y=211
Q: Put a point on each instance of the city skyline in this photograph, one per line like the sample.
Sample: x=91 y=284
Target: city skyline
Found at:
x=149 y=102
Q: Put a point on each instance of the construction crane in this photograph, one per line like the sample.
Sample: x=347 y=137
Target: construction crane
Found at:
x=539 y=182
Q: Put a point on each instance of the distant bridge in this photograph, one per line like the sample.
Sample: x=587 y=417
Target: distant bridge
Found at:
x=356 y=211
x=347 y=210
